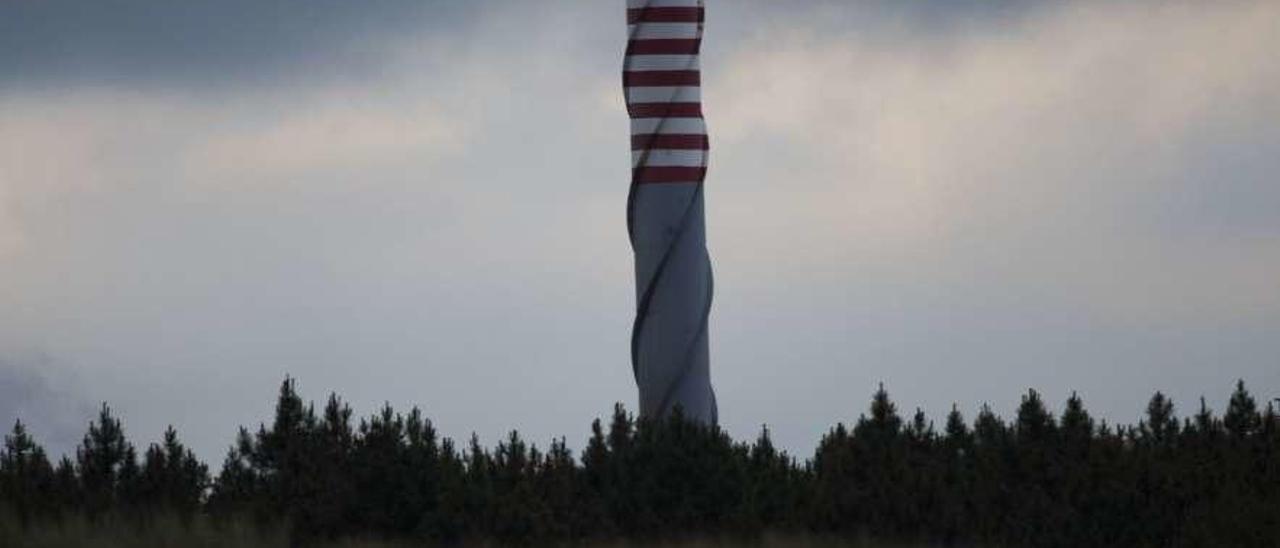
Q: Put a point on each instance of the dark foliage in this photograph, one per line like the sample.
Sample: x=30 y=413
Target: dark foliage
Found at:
x=1042 y=479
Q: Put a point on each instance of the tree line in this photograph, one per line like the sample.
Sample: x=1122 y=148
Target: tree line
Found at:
x=1040 y=479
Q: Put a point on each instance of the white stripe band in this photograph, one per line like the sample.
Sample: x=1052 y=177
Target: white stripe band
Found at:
x=663 y=31
x=670 y=158
x=661 y=62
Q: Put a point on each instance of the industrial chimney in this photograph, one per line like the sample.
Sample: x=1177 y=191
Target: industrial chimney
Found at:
x=661 y=80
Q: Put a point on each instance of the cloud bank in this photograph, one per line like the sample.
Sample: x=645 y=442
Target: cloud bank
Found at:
x=962 y=203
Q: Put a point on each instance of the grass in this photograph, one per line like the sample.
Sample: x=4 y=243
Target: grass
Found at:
x=168 y=531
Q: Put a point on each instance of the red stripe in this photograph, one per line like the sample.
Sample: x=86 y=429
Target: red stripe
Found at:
x=661 y=78
x=687 y=46
x=665 y=110
x=652 y=175
x=665 y=15
x=670 y=141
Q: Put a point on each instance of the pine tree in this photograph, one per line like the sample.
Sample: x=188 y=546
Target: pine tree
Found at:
x=957 y=461
x=478 y=502
x=920 y=430
x=1161 y=425
x=598 y=489
x=333 y=445
x=285 y=457
x=595 y=459
x=990 y=478
x=1034 y=472
x=836 y=497
x=880 y=467
x=420 y=493
x=67 y=493
x=884 y=423
x=1077 y=426
x=518 y=514
x=1241 y=419
x=172 y=478
x=238 y=488
x=100 y=459
x=379 y=466
x=988 y=430
x=624 y=499
x=129 y=483
x=771 y=495
x=621 y=432
x=558 y=487
x=1269 y=431
x=958 y=438
x=1205 y=426
x=1267 y=455
x=151 y=484
x=1034 y=423
x=451 y=521
x=26 y=476
x=1075 y=447
x=922 y=480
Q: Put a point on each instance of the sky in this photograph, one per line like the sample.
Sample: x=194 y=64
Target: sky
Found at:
x=423 y=203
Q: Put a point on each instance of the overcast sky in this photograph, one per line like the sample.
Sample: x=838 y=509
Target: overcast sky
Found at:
x=423 y=203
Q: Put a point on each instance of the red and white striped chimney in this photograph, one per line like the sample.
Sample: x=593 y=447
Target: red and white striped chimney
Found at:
x=662 y=81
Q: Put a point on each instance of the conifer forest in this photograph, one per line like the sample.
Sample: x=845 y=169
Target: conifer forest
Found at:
x=1050 y=476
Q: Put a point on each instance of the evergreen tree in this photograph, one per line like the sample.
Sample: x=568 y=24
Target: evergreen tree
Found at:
x=1034 y=425
x=1241 y=419
x=599 y=487
x=560 y=489
x=922 y=490
x=172 y=479
x=1206 y=428
x=451 y=520
x=623 y=497
x=988 y=430
x=958 y=438
x=333 y=445
x=957 y=462
x=1035 y=473
x=621 y=432
x=772 y=493
x=1072 y=455
x=1077 y=427
x=884 y=424
x=517 y=513
x=1161 y=425
x=129 y=483
x=1269 y=430
x=285 y=460
x=880 y=467
x=238 y=489
x=25 y=475
x=920 y=430
x=67 y=493
x=477 y=503
x=420 y=491
x=835 y=498
x=101 y=458
x=990 y=492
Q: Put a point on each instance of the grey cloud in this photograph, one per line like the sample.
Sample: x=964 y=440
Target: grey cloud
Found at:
x=128 y=43
x=1060 y=199
x=53 y=410
x=215 y=44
